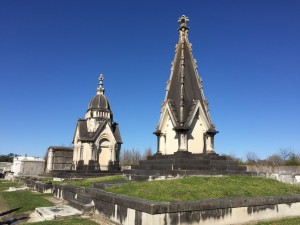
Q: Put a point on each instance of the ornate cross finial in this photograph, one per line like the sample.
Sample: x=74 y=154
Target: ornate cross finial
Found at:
x=183 y=23
x=100 y=89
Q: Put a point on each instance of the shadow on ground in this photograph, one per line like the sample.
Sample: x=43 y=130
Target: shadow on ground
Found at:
x=8 y=217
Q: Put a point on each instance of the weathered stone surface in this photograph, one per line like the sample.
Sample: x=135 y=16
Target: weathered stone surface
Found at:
x=129 y=210
x=184 y=164
x=50 y=213
x=286 y=174
x=109 y=184
x=12 y=189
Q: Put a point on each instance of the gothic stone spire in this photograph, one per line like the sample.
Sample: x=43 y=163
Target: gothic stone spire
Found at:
x=185 y=100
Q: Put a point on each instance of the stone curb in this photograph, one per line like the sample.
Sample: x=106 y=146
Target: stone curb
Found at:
x=153 y=207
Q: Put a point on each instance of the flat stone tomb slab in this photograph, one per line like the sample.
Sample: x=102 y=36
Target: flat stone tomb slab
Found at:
x=51 y=213
x=11 y=189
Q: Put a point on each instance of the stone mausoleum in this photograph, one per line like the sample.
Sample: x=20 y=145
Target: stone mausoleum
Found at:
x=185 y=132
x=59 y=158
x=27 y=166
x=97 y=140
x=185 y=123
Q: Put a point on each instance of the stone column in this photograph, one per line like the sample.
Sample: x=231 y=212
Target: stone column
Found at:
x=113 y=153
x=92 y=157
x=209 y=147
x=158 y=135
x=50 y=161
x=162 y=142
x=209 y=141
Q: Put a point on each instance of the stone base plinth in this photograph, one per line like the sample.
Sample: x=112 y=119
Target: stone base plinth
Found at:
x=184 y=163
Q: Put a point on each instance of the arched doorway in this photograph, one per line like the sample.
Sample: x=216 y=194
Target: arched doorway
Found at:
x=104 y=154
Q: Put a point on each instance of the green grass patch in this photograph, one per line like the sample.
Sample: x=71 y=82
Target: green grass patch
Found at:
x=5 y=184
x=290 y=221
x=87 y=182
x=68 y=221
x=25 y=200
x=196 y=188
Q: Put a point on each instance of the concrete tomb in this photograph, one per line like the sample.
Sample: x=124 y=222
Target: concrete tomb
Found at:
x=58 y=211
x=59 y=158
x=27 y=166
x=185 y=132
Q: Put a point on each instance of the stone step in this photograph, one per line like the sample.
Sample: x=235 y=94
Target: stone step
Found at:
x=160 y=174
x=190 y=166
x=187 y=155
x=81 y=174
x=142 y=172
x=157 y=161
x=187 y=161
x=153 y=166
x=105 y=185
x=184 y=164
x=137 y=177
x=210 y=167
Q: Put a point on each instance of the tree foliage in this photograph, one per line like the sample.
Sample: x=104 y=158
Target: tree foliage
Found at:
x=233 y=158
x=7 y=158
x=285 y=157
x=274 y=160
x=132 y=156
x=252 y=158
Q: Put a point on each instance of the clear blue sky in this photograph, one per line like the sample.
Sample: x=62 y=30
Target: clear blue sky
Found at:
x=52 y=52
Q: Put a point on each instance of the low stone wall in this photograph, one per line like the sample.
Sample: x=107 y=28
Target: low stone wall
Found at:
x=127 y=210
x=286 y=174
x=38 y=185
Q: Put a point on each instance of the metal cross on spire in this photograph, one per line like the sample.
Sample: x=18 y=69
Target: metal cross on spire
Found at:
x=183 y=20
x=100 y=89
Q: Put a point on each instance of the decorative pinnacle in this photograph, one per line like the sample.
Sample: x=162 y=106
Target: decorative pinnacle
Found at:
x=100 y=89
x=183 y=23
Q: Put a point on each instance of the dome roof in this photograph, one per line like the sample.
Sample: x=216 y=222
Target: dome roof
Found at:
x=99 y=102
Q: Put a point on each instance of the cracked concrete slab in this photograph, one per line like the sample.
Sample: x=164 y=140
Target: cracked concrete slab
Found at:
x=50 y=213
x=10 y=189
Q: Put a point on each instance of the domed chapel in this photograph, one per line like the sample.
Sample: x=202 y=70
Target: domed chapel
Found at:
x=97 y=140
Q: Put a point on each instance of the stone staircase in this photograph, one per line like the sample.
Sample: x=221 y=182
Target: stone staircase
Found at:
x=182 y=164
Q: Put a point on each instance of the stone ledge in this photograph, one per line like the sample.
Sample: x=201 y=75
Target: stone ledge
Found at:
x=153 y=207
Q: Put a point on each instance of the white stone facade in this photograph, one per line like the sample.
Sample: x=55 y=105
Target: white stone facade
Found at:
x=27 y=166
x=97 y=140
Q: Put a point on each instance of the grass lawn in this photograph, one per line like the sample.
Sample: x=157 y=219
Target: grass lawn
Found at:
x=290 y=221
x=68 y=221
x=195 y=188
x=5 y=184
x=24 y=200
x=87 y=182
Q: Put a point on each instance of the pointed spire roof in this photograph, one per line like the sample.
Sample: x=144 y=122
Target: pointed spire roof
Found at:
x=185 y=86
